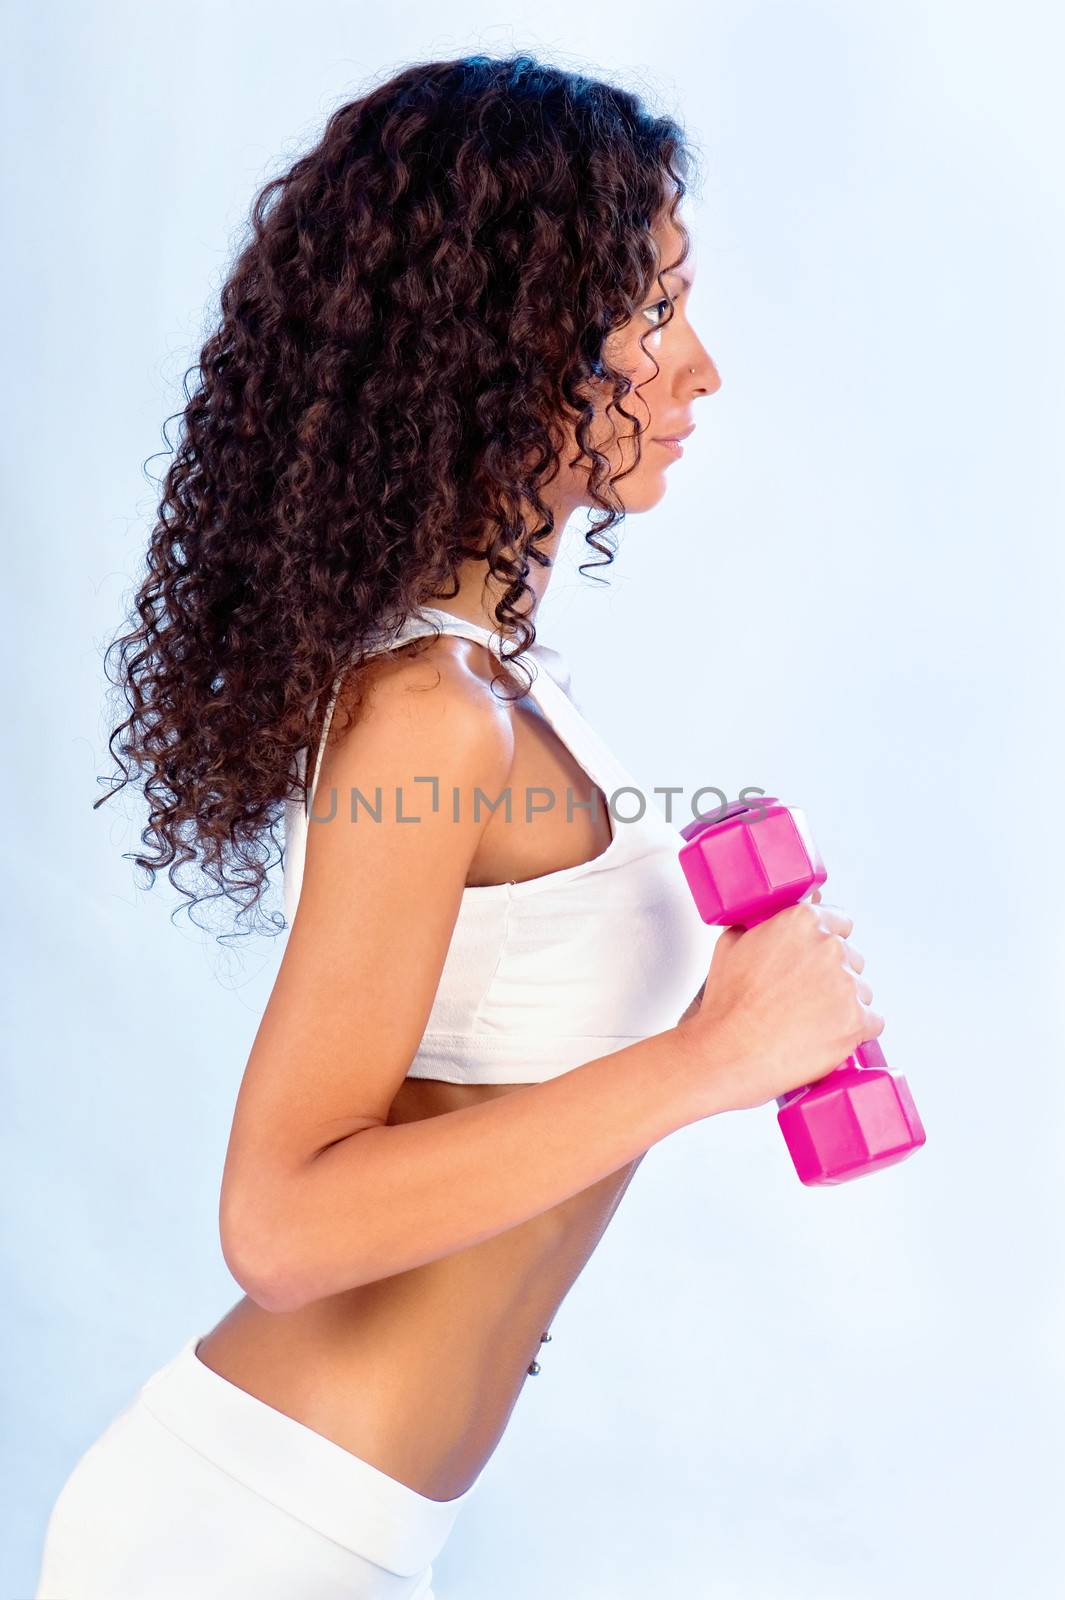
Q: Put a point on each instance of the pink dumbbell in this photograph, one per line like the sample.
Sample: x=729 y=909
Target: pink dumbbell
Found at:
x=743 y=864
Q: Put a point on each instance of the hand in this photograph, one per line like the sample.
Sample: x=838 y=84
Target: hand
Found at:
x=784 y=1005
x=693 y=1008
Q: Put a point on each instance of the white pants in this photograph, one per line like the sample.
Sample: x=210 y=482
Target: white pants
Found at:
x=198 y=1489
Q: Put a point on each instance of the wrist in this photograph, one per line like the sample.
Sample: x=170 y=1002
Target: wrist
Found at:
x=708 y=1055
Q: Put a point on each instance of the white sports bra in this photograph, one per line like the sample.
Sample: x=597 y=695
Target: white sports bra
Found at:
x=546 y=973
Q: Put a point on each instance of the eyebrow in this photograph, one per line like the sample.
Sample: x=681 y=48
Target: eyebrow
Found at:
x=674 y=272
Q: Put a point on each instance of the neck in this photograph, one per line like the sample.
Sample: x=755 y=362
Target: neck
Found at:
x=479 y=592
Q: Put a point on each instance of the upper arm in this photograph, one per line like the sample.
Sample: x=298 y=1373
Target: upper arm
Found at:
x=377 y=908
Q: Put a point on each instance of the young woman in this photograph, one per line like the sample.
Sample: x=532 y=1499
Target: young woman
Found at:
x=462 y=317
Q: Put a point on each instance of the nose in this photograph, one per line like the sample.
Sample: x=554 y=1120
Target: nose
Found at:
x=704 y=370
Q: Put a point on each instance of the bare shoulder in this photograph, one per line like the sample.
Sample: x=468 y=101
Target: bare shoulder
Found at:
x=424 y=699
x=424 y=662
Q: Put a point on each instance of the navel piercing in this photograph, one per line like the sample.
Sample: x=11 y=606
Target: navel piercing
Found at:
x=534 y=1367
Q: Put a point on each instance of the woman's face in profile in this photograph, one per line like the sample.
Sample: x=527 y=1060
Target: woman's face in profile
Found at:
x=662 y=401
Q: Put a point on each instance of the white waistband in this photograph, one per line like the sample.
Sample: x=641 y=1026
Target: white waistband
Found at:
x=309 y=1476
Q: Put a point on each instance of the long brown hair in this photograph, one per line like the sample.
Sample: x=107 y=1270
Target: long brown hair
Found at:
x=423 y=299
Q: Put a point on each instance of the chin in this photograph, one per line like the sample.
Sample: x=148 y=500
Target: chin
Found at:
x=640 y=490
x=643 y=491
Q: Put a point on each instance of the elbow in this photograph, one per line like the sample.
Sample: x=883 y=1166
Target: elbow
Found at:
x=261 y=1279
x=280 y=1245
x=255 y=1262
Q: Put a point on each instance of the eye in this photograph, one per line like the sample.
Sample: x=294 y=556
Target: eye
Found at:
x=651 y=309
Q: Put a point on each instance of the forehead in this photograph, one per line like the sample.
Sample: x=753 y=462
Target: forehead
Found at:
x=671 y=245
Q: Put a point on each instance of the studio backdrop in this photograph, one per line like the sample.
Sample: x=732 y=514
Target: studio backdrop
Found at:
x=850 y=598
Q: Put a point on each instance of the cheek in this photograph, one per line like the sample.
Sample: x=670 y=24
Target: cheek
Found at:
x=638 y=362
x=642 y=371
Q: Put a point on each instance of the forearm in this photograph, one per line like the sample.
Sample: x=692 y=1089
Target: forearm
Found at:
x=393 y=1197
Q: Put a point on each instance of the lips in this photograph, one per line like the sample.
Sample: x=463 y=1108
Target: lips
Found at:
x=677 y=437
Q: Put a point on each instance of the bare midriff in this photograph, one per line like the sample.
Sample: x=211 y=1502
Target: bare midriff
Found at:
x=419 y=1372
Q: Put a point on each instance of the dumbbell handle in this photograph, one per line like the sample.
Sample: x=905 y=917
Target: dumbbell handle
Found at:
x=743 y=865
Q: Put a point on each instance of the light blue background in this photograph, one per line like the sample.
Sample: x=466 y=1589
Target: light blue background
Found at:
x=849 y=596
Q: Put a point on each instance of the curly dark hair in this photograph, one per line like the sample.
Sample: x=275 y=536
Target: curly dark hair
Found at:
x=423 y=300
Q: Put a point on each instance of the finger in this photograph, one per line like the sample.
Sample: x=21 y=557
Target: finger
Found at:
x=874 y=1023
x=835 y=920
x=853 y=957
